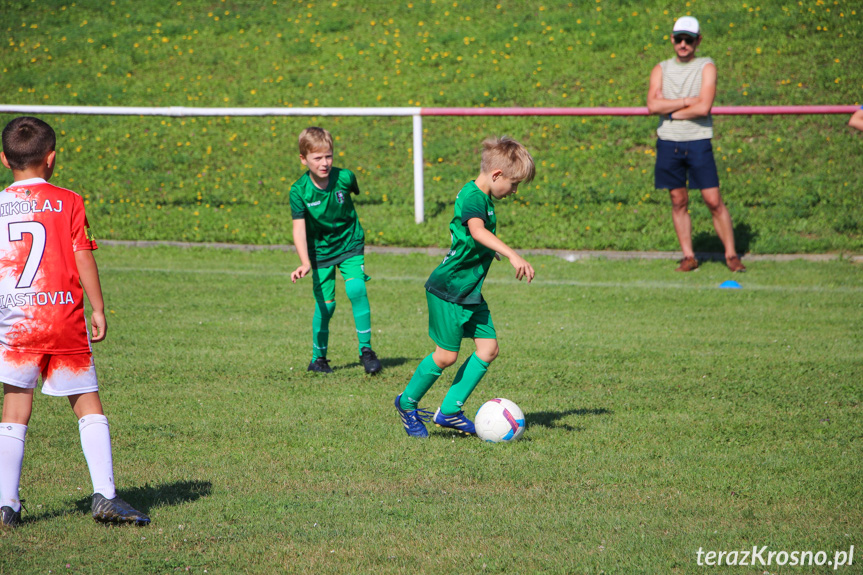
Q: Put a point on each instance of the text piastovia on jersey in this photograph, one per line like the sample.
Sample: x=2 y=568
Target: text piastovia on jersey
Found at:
x=30 y=298
x=31 y=207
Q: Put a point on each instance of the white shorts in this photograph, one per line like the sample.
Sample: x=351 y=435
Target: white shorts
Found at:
x=62 y=375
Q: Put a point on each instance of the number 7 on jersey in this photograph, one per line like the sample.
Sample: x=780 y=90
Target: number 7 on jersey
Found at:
x=37 y=248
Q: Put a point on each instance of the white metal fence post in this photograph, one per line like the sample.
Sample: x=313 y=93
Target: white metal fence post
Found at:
x=419 y=203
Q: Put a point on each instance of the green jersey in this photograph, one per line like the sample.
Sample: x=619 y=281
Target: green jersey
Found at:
x=459 y=276
x=333 y=230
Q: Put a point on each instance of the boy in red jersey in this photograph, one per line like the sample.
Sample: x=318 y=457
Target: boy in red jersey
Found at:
x=46 y=256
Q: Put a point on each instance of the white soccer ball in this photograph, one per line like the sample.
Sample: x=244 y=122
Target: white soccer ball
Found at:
x=499 y=420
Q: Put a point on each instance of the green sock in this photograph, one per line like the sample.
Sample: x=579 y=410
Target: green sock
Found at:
x=356 y=292
x=466 y=379
x=321 y=328
x=424 y=377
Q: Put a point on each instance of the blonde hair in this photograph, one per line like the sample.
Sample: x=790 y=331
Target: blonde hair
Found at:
x=314 y=139
x=509 y=156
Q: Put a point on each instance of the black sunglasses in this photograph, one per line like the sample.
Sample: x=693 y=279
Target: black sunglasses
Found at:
x=685 y=38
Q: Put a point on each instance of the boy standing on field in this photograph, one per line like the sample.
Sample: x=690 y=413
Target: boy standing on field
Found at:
x=46 y=256
x=457 y=309
x=328 y=235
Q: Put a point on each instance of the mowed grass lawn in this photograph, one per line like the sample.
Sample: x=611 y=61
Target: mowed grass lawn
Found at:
x=664 y=415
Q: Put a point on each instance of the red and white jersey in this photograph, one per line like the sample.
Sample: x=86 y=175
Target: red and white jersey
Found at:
x=41 y=298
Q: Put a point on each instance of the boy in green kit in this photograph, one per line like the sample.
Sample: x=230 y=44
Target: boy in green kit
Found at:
x=328 y=235
x=456 y=307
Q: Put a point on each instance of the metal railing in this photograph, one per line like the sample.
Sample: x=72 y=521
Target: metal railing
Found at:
x=416 y=113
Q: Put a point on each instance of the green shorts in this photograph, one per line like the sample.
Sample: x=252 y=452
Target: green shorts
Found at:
x=324 y=279
x=449 y=323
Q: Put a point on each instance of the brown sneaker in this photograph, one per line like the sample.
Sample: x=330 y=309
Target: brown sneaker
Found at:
x=687 y=265
x=734 y=264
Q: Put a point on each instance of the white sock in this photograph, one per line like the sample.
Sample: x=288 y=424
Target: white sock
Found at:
x=11 y=457
x=96 y=443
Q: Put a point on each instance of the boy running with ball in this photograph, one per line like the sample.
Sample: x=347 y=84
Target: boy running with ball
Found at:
x=46 y=257
x=457 y=309
x=328 y=235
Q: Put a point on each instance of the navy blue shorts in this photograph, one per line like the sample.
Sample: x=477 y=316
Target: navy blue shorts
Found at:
x=674 y=160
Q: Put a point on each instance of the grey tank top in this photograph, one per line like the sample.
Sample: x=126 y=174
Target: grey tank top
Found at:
x=683 y=80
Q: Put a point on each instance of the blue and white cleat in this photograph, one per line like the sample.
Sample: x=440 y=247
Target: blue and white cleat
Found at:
x=457 y=421
x=413 y=420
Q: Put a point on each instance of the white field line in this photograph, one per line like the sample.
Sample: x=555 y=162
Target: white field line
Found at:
x=635 y=284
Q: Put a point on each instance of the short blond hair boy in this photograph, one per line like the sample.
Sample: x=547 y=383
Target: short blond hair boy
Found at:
x=328 y=235
x=507 y=155
x=315 y=139
x=457 y=309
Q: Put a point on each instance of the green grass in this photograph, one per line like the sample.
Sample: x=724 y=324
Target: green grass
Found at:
x=664 y=414
x=791 y=183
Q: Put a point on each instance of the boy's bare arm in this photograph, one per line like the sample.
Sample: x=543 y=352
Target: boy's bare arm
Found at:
x=88 y=273
x=478 y=232
x=302 y=250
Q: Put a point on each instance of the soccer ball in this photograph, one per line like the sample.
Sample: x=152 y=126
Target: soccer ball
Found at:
x=499 y=420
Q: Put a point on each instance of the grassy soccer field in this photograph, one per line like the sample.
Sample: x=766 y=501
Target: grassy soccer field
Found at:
x=664 y=415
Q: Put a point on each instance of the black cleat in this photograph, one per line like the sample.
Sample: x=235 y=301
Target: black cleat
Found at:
x=9 y=518
x=320 y=365
x=116 y=511
x=370 y=361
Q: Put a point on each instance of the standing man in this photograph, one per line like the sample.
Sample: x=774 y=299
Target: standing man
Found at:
x=681 y=91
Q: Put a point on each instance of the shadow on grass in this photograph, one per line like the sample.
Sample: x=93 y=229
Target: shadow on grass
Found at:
x=542 y=418
x=395 y=361
x=149 y=496
x=437 y=431
x=385 y=363
x=141 y=498
x=708 y=246
x=550 y=418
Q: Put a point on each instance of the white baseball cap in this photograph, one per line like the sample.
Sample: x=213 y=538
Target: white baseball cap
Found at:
x=687 y=25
